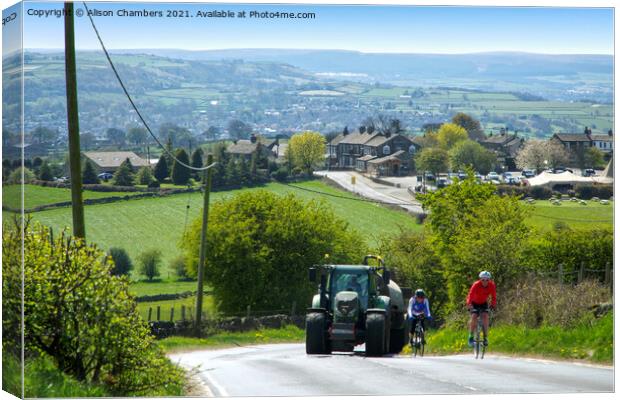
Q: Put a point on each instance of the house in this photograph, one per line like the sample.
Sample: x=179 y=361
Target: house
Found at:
x=604 y=143
x=505 y=147
x=109 y=161
x=260 y=146
x=374 y=152
x=573 y=142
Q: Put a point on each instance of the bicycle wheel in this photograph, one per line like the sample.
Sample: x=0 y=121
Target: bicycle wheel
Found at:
x=477 y=339
x=421 y=343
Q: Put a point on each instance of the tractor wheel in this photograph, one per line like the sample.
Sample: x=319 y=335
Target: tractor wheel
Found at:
x=375 y=335
x=316 y=340
x=397 y=335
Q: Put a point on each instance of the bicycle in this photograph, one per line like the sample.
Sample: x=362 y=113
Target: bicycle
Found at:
x=479 y=344
x=417 y=341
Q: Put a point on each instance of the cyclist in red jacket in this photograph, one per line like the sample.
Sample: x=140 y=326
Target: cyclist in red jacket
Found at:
x=478 y=303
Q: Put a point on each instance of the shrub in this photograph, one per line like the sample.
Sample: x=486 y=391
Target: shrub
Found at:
x=154 y=184
x=149 y=263
x=45 y=172
x=180 y=175
x=605 y=191
x=144 y=176
x=79 y=314
x=281 y=174
x=89 y=175
x=121 y=260
x=539 y=192
x=161 y=169
x=124 y=174
x=260 y=240
x=534 y=302
x=179 y=266
x=16 y=176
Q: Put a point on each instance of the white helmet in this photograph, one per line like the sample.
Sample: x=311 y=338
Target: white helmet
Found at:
x=485 y=275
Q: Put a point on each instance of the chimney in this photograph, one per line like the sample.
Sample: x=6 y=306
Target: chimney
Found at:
x=345 y=131
x=610 y=133
x=253 y=138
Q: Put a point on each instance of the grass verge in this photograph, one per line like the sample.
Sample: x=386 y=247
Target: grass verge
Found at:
x=43 y=379
x=587 y=342
x=287 y=334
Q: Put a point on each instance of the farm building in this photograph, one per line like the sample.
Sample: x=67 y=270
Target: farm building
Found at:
x=109 y=161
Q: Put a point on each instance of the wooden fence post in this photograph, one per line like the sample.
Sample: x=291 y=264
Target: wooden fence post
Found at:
x=183 y=312
x=150 y=314
x=172 y=314
x=191 y=316
x=247 y=314
x=581 y=271
x=293 y=307
x=560 y=274
x=158 y=313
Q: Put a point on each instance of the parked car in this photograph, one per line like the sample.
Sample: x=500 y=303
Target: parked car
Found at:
x=61 y=179
x=528 y=173
x=443 y=182
x=512 y=180
x=462 y=175
x=493 y=176
x=429 y=176
x=588 y=172
x=105 y=176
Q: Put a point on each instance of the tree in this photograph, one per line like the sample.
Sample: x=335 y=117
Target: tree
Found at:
x=87 y=140
x=161 y=169
x=594 y=158
x=176 y=135
x=78 y=314
x=116 y=136
x=43 y=134
x=556 y=154
x=431 y=159
x=180 y=174
x=532 y=155
x=450 y=134
x=144 y=176
x=466 y=224
x=238 y=129
x=211 y=133
x=197 y=162
x=471 y=125
x=137 y=135
x=124 y=174
x=261 y=243
x=149 y=263
x=307 y=150
x=45 y=172
x=16 y=176
x=122 y=264
x=468 y=153
x=178 y=265
x=168 y=154
x=89 y=175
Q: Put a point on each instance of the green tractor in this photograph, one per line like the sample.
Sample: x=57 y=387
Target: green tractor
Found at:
x=356 y=304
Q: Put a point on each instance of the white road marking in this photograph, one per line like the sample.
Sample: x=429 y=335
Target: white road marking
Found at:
x=212 y=382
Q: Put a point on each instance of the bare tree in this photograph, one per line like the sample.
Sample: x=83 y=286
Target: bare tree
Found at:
x=539 y=154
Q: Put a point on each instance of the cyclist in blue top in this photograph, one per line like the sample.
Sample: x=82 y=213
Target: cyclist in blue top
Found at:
x=418 y=309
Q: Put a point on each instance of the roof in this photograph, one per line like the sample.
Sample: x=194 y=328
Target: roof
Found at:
x=366 y=157
x=354 y=138
x=391 y=157
x=113 y=159
x=566 y=177
x=500 y=139
x=242 y=147
x=602 y=138
x=572 y=137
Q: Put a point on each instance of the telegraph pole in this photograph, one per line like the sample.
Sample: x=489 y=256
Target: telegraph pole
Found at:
x=77 y=206
x=207 y=177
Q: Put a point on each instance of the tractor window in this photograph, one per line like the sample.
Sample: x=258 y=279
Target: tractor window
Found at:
x=344 y=280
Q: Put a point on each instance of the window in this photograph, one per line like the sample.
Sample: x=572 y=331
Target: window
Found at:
x=386 y=150
x=412 y=149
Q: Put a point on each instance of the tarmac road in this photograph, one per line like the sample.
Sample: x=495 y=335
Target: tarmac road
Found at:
x=286 y=370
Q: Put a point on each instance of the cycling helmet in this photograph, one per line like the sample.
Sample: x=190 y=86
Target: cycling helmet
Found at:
x=420 y=293
x=485 y=275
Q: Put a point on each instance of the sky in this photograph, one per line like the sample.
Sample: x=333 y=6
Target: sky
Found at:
x=393 y=29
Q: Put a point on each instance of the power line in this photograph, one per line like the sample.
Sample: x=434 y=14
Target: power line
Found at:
x=120 y=81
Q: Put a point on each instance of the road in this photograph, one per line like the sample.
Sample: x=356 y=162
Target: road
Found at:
x=286 y=370
x=375 y=191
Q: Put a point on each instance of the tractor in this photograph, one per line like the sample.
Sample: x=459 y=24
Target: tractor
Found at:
x=356 y=304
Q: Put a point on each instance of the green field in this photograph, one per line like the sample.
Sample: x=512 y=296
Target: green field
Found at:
x=160 y=222
x=35 y=195
x=543 y=214
x=208 y=308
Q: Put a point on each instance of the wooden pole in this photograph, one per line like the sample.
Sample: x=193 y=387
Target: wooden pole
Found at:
x=172 y=314
x=150 y=313
x=203 y=244
x=183 y=312
x=581 y=271
x=158 y=313
x=77 y=206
